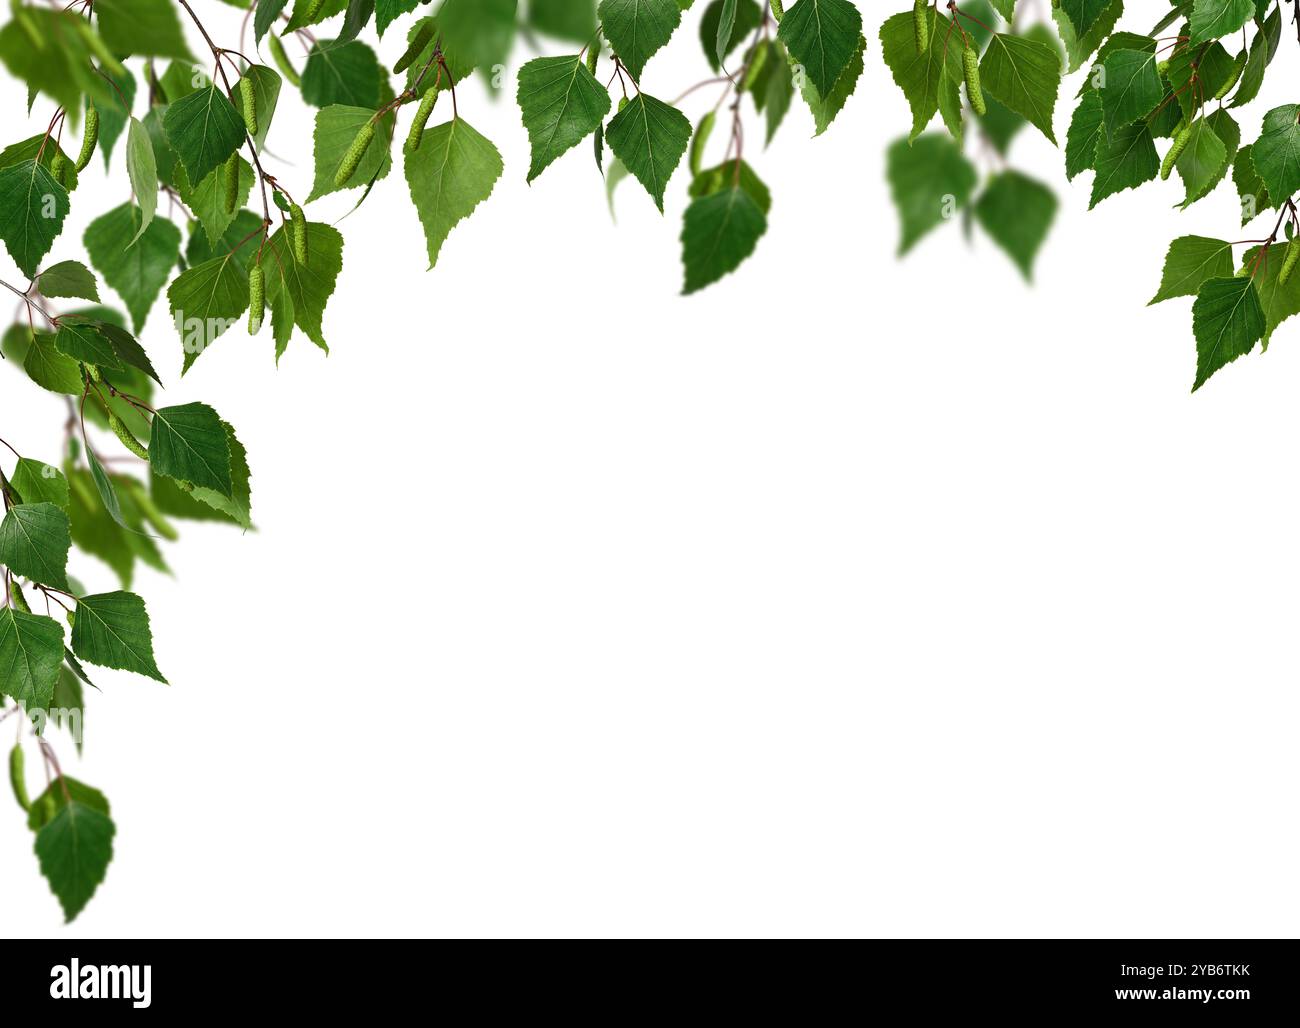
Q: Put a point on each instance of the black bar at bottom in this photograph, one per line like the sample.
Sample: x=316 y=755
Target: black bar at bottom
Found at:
x=1182 y=979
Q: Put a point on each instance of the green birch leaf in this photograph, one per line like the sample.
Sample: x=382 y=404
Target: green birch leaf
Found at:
x=822 y=37
x=1251 y=191
x=454 y=170
x=266 y=92
x=31 y=650
x=347 y=74
x=1213 y=19
x=206 y=301
x=298 y=291
x=1132 y=87
x=144 y=28
x=112 y=630
x=930 y=180
x=238 y=505
x=32 y=208
x=50 y=369
x=80 y=339
x=562 y=104
x=189 y=443
x=825 y=109
x=719 y=232
x=1025 y=75
x=1085 y=135
x=208 y=200
x=923 y=77
x=74 y=851
x=650 y=138
x=69 y=279
x=1190 y=262
x=1124 y=162
x=1017 y=213
x=1202 y=160
x=142 y=169
x=1276 y=154
x=136 y=271
x=1227 y=320
x=34 y=543
x=38 y=482
x=1278 y=301
x=204 y=129
x=336 y=127
x=1083 y=14
x=638 y=29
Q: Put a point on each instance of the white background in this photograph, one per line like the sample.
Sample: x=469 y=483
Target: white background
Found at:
x=846 y=598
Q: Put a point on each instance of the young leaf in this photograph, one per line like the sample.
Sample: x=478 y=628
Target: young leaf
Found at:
x=927 y=76
x=298 y=291
x=112 y=630
x=650 y=137
x=454 y=170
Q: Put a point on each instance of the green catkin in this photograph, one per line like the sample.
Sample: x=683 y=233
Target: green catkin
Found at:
x=257 y=298
x=413 y=51
x=282 y=61
x=90 y=139
x=352 y=159
x=126 y=436
x=20 y=601
x=971 y=62
x=1171 y=158
x=1238 y=66
x=249 y=96
x=593 y=57
x=778 y=11
x=59 y=166
x=298 y=223
x=921 y=22
x=18 y=779
x=422 y=115
x=313 y=9
x=1289 y=263
x=232 y=183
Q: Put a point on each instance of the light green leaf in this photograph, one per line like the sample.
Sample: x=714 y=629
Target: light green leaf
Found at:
x=931 y=180
x=1276 y=154
x=1191 y=261
x=336 y=127
x=206 y=301
x=299 y=291
x=136 y=271
x=38 y=482
x=454 y=170
x=923 y=77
